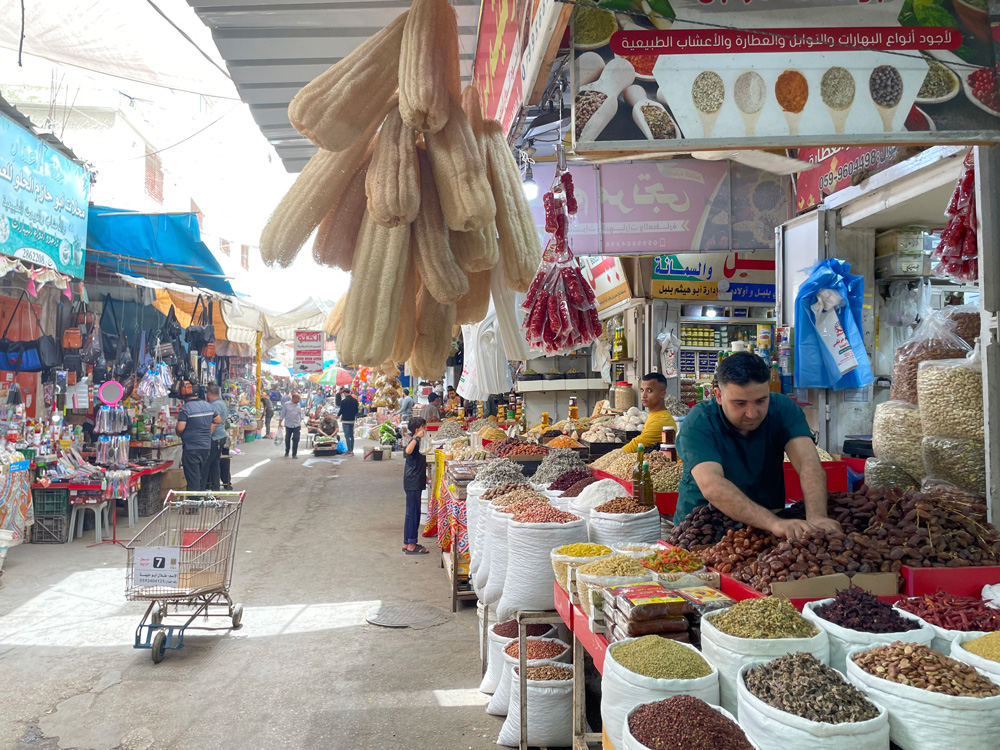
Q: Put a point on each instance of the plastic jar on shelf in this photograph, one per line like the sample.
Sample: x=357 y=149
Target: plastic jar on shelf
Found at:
x=624 y=396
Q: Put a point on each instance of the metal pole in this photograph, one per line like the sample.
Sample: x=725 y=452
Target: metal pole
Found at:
x=257 y=399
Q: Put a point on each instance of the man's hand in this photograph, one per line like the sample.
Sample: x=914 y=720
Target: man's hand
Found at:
x=826 y=524
x=791 y=529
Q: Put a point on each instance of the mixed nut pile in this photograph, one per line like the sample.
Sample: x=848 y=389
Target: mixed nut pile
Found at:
x=921 y=667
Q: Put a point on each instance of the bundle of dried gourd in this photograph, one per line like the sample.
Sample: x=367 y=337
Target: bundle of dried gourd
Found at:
x=411 y=192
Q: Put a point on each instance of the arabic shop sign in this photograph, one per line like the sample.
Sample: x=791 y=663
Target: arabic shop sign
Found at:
x=673 y=206
x=43 y=202
x=786 y=73
x=737 y=277
x=839 y=168
x=607 y=278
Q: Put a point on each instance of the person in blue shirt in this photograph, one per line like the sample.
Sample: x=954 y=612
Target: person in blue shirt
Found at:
x=414 y=483
x=733 y=448
x=195 y=421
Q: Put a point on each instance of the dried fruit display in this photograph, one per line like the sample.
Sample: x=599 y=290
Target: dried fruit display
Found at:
x=957 y=255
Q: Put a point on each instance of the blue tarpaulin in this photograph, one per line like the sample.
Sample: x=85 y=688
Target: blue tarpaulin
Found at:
x=162 y=247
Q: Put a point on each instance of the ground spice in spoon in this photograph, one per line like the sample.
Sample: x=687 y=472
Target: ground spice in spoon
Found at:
x=792 y=91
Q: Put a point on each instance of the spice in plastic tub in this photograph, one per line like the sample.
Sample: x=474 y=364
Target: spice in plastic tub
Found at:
x=661 y=658
x=684 y=722
x=770 y=617
x=574 y=556
x=673 y=560
x=593 y=578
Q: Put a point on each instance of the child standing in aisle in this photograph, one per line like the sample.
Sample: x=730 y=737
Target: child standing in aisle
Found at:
x=414 y=482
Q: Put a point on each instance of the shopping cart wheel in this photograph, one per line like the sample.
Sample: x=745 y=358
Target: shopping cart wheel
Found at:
x=156 y=614
x=159 y=646
x=237 y=616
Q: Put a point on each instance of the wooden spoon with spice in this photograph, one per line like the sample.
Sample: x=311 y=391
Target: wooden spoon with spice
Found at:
x=650 y=117
x=597 y=102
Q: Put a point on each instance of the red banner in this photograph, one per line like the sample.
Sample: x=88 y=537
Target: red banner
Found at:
x=839 y=167
x=496 y=70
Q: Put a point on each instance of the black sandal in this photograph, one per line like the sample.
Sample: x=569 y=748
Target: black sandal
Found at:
x=418 y=550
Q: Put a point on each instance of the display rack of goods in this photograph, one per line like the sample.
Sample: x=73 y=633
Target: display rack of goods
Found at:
x=387 y=391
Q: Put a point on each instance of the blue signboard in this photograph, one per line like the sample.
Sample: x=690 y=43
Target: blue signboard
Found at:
x=43 y=202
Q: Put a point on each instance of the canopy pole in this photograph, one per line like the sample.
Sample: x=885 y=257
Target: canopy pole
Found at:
x=257 y=405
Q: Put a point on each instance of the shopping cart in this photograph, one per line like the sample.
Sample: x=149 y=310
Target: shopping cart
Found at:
x=182 y=563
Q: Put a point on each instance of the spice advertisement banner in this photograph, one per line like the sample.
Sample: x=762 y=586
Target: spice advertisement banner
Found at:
x=607 y=278
x=43 y=202
x=739 y=277
x=679 y=205
x=787 y=73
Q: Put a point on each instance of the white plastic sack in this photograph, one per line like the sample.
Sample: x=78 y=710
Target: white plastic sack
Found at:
x=622 y=690
x=986 y=667
x=578 y=510
x=631 y=743
x=729 y=655
x=550 y=712
x=922 y=720
x=472 y=520
x=530 y=580
x=495 y=645
x=768 y=726
x=499 y=704
x=498 y=556
x=485 y=534
x=943 y=638
x=618 y=528
x=843 y=640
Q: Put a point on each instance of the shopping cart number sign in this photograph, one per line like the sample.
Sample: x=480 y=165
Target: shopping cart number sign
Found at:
x=156 y=566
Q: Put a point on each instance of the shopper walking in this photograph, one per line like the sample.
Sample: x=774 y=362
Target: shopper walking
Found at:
x=349 y=408
x=268 y=407
x=219 y=436
x=195 y=421
x=406 y=407
x=291 y=417
x=414 y=482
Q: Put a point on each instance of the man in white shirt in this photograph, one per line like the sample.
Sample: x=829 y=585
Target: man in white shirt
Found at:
x=291 y=418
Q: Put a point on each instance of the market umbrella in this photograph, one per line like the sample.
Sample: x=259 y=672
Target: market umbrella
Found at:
x=335 y=376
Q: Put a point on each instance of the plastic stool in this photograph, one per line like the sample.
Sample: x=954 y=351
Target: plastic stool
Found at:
x=100 y=516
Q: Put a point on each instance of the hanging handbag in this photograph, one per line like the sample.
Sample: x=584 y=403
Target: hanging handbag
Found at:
x=198 y=336
x=101 y=372
x=125 y=365
x=109 y=339
x=72 y=337
x=27 y=356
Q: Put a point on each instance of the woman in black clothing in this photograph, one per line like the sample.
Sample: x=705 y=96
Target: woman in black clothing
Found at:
x=414 y=482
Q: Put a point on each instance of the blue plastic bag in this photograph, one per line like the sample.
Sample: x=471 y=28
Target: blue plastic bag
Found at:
x=814 y=365
x=341 y=447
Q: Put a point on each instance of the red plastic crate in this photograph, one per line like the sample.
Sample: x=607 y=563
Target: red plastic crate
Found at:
x=957 y=581
x=836 y=479
x=739 y=591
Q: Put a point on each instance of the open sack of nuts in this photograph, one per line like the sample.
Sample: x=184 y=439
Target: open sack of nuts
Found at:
x=550 y=707
x=411 y=190
x=934 y=702
x=541 y=651
x=500 y=636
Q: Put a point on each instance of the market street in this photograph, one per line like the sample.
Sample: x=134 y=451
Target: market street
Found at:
x=318 y=547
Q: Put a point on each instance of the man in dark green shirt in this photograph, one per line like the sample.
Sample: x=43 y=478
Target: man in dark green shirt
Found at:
x=733 y=453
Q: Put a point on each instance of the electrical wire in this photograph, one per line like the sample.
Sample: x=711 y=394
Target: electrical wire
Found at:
x=191 y=41
x=761 y=32
x=172 y=145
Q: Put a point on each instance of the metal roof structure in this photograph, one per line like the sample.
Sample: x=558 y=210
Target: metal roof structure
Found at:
x=273 y=48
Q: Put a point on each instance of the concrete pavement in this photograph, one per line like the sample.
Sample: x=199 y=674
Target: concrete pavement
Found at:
x=319 y=545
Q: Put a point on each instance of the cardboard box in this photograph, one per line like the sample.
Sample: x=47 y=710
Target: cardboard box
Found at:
x=824 y=587
x=906 y=241
x=902 y=265
x=172 y=479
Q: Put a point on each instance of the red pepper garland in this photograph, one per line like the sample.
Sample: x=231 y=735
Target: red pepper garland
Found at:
x=957 y=257
x=561 y=307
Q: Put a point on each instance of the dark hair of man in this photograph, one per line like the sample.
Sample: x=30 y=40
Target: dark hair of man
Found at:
x=432 y=398
x=415 y=424
x=657 y=376
x=742 y=368
x=406 y=391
